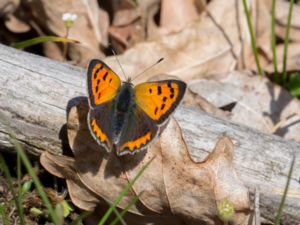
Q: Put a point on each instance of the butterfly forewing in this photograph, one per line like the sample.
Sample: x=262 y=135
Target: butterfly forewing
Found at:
x=103 y=83
x=159 y=99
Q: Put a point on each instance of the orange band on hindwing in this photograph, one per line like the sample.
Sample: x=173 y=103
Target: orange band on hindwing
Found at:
x=99 y=133
x=138 y=143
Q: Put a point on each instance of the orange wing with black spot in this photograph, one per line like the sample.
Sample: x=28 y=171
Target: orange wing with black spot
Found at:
x=159 y=99
x=103 y=84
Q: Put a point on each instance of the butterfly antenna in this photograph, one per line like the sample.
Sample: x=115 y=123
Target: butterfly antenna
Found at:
x=150 y=67
x=113 y=51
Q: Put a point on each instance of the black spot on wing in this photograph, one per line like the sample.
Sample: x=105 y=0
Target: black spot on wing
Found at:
x=165 y=99
x=155 y=111
x=150 y=90
x=97 y=71
x=105 y=75
x=162 y=106
x=171 y=95
x=159 y=90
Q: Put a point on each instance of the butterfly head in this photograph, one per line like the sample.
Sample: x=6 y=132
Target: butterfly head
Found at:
x=128 y=81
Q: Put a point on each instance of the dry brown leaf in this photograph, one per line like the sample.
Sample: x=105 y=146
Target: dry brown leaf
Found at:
x=293 y=58
x=129 y=23
x=282 y=10
x=8 y=6
x=174 y=186
x=209 y=46
x=16 y=25
x=86 y=29
x=256 y=102
x=176 y=15
x=261 y=20
x=126 y=28
x=63 y=167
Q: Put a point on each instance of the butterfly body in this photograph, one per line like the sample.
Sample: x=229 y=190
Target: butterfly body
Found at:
x=124 y=117
x=123 y=106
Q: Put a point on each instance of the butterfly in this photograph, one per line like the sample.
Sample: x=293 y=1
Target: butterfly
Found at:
x=124 y=117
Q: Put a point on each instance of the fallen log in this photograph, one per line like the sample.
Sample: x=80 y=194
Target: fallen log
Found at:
x=36 y=93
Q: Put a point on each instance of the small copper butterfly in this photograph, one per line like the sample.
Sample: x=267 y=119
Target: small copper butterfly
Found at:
x=126 y=118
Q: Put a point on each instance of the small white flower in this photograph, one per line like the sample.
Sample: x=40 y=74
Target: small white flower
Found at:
x=68 y=17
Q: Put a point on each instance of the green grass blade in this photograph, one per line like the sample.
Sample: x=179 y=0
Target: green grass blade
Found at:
x=119 y=217
x=274 y=42
x=286 y=41
x=124 y=211
x=80 y=218
x=123 y=193
x=19 y=172
x=42 y=39
x=253 y=42
x=36 y=182
x=280 y=209
x=9 y=179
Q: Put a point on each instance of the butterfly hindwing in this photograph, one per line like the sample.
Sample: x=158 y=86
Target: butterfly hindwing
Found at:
x=103 y=84
x=159 y=99
x=99 y=124
x=138 y=132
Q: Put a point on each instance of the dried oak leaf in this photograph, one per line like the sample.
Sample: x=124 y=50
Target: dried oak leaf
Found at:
x=293 y=58
x=89 y=28
x=281 y=14
x=175 y=188
x=211 y=45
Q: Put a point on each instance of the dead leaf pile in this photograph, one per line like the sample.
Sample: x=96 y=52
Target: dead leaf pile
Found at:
x=175 y=189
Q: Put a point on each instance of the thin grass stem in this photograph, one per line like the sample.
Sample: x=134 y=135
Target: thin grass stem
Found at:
x=124 y=211
x=16 y=199
x=123 y=193
x=286 y=42
x=281 y=206
x=36 y=182
x=276 y=75
x=253 y=42
x=119 y=217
